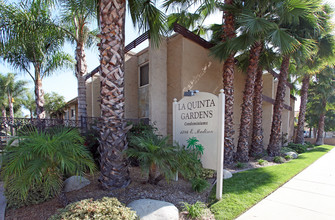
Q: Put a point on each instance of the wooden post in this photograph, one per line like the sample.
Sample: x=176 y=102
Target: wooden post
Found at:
x=220 y=149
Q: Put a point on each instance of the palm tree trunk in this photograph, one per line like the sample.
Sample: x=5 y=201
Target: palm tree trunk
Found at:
x=274 y=143
x=113 y=130
x=321 y=125
x=11 y=113
x=299 y=139
x=228 y=86
x=257 y=147
x=39 y=96
x=81 y=70
x=242 y=153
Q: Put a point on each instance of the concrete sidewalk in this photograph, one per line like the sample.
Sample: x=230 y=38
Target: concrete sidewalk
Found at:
x=309 y=196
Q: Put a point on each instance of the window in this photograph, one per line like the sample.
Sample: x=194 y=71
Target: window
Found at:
x=72 y=112
x=144 y=75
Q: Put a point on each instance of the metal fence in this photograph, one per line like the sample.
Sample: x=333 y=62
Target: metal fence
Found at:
x=11 y=126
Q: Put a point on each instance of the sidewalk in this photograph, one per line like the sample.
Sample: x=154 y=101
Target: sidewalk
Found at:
x=309 y=196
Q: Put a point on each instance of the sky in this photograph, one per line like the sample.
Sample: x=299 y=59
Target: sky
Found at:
x=64 y=81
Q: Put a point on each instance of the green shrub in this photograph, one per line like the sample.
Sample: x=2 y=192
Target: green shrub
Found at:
x=299 y=148
x=207 y=173
x=240 y=165
x=154 y=154
x=262 y=162
x=105 y=208
x=199 y=184
x=309 y=145
x=288 y=157
x=92 y=136
x=279 y=159
x=194 y=211
x=284 y=150
x=189 y=166
x=40 y=161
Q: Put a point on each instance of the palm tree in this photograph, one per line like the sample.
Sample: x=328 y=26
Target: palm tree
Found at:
x=27 y=39
x=296 y=29
x=114 y=171
x=314 y=63
x=28 y=102
x=14 y=89
x=76 y=16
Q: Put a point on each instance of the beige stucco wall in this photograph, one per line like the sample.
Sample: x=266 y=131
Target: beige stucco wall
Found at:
x=93 y=96
x=131 y=86
x=174 y=70
x=268 y=90
x=158 y=87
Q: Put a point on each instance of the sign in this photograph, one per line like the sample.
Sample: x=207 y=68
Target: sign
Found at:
x=202 y=116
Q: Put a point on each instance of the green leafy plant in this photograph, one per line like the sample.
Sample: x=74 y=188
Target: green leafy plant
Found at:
x=189 y=166
x=284 y=150
x=207 y=173
x=41 y=160
x=92 y=136
x=278 y=159
x=154 y=154
x=262 y=162
x=194 y=211
x=299 y=148
x=105 y=208
x=288 y=157
x=240 y=165
x=199 y=184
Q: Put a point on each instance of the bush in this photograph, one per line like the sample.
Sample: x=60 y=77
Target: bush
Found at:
x=288 y=157
x=279 y=159
x=154 y=154
x=262 y=162
x=105 y=208
x=197 y=210
x=309 y=145
x=40 y=161
x=240 y=165
x=207 y=173
x=284 y=150
x=92 y=136
x=299 y=148
x=199 y=184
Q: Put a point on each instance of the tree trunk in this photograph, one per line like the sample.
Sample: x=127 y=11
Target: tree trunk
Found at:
x=11 y=107
x=228 y=86
x=81 y=71
x=275 y=136
x=321 y=125
x=299 y=139
x=242 y=153
x=257 y=147
x=113 y=130
x=39 y=97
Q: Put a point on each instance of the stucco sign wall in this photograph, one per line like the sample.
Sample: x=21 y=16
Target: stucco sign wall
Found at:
x=202 y=116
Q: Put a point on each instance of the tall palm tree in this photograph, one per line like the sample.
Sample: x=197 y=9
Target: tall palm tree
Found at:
x=295 y=29
x=314 y=63
x=28 y=40
x=76 y=18
x=114 y=171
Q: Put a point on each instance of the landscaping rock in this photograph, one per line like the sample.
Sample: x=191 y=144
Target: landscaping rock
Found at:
x=149 y=209
x=74 y=183
x=294 y=155
x=227 y=174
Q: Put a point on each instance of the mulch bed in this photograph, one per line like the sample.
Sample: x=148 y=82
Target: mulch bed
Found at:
x=173 y=192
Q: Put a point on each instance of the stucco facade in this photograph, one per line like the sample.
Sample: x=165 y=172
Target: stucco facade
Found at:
x=178 y=65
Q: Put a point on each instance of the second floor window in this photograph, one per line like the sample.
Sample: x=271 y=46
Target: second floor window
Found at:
x=144 y=75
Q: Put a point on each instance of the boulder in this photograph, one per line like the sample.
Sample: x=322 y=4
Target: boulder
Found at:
x=149 y=209
x=227 y=174
x=294 y=155
x=74 y=183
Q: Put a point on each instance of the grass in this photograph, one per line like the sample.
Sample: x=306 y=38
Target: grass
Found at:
x=247 y=188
